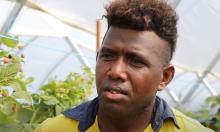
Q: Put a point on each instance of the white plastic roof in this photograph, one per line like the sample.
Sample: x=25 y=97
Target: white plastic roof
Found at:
x=60 y=37
x=199 y=34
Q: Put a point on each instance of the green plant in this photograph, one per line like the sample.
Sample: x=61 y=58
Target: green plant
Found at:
x=10 y=76
x=21 y=110
x=209 y=115
x=61 y=95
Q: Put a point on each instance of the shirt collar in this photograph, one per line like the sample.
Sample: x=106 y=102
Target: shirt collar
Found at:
x=86 y=114
x=161 y=112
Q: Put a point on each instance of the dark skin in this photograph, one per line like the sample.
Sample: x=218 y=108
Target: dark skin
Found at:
x=130 y=69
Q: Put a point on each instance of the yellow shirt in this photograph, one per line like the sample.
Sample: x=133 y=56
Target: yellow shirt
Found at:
x=65 y=124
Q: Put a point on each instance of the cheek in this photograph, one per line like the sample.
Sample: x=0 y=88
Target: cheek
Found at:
x=100 y=72
x=144 y=82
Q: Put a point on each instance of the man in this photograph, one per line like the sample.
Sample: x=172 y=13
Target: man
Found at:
x=132 y=65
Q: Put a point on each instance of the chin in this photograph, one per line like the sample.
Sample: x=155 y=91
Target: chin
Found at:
x=113 y=108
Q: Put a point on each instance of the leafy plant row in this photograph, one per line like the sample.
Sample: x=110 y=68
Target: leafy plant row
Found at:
x=21 y=110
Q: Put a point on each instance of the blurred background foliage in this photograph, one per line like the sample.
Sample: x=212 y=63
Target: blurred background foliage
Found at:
x=21 y=110
x=209 y=114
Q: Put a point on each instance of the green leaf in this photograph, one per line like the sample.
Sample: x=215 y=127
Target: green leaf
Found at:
x=23 y=95
x=29 y=80
x=6 y=119
x=8 y=73
x=16 y=59
x=8 y=103
x=50 y=100
x=14 y=127
x=9 y=41
x=49 y=87
x=24 y=115
x=59 y=109
x=18 y=85
x=3 y=53
x=29 y=127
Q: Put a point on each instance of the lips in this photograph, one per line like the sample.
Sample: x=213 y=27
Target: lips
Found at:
x=115 y=90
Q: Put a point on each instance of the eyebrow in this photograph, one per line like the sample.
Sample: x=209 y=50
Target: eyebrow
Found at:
x=129 y=53
x=138 y=56
x=135 y=55
x=108 y=50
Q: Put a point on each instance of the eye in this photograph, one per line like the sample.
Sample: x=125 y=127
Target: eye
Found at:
x=136 y=62
x=107 y=56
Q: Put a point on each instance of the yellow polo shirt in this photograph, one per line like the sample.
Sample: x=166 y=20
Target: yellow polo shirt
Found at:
x=62 y=123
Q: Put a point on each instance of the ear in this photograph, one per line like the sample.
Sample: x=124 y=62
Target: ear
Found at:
x=167 y=76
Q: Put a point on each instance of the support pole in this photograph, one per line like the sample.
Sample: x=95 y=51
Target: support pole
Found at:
x=214 y=61
x=12 y=16
x=98 y=24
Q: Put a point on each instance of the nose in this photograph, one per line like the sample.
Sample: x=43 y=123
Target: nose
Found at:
x=117 y=71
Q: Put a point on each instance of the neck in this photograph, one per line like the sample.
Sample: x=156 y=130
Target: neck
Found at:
x=137 y=121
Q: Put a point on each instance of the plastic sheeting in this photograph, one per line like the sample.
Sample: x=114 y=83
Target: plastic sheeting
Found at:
x=199 y=34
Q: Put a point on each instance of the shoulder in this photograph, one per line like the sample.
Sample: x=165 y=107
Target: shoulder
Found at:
x=58 y=124
x=189 y=124
x=69 y=119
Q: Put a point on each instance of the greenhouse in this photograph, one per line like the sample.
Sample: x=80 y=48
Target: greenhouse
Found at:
x=57 y=40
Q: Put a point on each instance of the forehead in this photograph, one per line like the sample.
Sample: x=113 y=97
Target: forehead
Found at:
x=140 y=41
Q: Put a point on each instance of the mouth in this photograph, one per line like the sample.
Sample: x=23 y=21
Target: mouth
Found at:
x=116 y=90
x=114 y=93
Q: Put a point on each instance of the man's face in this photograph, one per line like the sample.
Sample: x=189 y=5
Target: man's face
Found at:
x=129 y=70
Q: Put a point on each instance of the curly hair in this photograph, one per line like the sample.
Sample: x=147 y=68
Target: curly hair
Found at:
x=151 y=15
